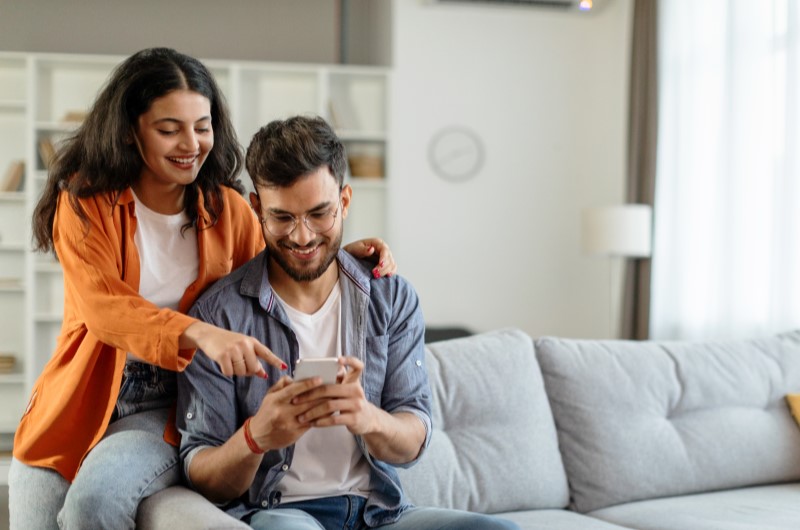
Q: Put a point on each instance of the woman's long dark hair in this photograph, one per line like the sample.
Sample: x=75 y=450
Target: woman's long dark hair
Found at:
x=101 y=156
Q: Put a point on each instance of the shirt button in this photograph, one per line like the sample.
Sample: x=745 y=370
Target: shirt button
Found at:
x=419 y=363
x=285 y=467
x=264 y=504
x=189 y=415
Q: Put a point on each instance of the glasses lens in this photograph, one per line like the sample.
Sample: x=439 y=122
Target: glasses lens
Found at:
x=320 y=222
x=279 y=225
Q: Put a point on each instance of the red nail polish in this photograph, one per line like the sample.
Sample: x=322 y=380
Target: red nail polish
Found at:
x=283 y=366
x=375 y=274
x=380 y=264
x=263 y=375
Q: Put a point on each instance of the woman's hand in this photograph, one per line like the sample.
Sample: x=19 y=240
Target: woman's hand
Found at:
x=236 y=354
x=377 y=251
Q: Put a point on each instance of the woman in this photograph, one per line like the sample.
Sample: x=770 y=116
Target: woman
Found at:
x=143 y=210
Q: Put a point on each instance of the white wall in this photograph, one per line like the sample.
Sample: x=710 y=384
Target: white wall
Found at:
x=547 y=90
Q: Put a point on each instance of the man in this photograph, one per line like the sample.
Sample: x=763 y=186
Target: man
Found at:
x=301 y=454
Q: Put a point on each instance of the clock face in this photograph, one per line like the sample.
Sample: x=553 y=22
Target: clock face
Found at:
x=456 y=153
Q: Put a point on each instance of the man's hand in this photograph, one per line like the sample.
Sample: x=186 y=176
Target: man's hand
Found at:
x=341 y=404
x=276 y=424
x=393 y=438
x=226 y=472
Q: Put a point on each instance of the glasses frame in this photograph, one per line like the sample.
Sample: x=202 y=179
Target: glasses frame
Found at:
x=295 y=221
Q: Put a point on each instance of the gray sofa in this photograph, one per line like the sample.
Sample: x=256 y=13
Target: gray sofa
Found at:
x=588 y=434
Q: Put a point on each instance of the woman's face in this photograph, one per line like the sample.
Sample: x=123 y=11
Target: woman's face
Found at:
x=174 y=138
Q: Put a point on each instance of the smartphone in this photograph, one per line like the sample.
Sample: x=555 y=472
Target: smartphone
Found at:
x=326 y=367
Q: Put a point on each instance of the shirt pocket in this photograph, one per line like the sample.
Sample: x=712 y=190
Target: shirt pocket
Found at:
x=376 y=358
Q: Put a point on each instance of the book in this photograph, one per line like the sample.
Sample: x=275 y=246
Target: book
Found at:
x=7 y=363
x=46 y=151
x=74 y=116
x=343 y=114
x=10 y=283
x=12 y=178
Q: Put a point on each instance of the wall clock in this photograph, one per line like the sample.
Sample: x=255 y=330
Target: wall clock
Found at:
x=456 y=153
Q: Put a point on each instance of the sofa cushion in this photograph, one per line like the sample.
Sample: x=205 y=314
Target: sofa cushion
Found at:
x=557 y=520
x=640 y=420
x=494 y=446
x=758 y=508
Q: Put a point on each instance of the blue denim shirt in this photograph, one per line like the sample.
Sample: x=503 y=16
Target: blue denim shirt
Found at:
x=382 y=325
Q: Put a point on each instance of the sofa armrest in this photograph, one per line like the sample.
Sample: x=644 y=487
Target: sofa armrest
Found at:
x=180 y=507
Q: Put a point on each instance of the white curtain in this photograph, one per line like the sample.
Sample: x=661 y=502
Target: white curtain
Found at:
x=726 y=257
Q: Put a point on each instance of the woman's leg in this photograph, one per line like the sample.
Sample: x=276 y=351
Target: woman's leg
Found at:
x=35 y=496
x=129 y=464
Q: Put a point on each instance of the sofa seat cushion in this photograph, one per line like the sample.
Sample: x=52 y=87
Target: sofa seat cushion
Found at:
x=641 y=420
x=557 y=520
x=494 y=447
x=759 y=508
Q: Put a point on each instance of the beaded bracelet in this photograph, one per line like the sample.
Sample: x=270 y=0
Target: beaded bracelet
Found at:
x=248 y=437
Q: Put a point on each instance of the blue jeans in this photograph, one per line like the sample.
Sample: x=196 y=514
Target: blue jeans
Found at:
x=346 y=513
x=130 y=463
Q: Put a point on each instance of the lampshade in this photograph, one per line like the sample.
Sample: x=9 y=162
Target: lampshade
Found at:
x=623 y=230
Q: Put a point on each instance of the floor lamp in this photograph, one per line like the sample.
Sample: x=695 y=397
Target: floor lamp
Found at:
x=617 y=232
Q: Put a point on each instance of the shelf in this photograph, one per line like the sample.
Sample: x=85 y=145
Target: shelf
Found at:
x=11 y=288
x=56 y=126
x=12 y=379
x=12 y=247
x=371 y=183
x=13 y=104
x=349 y=135
x=12 y=196
x=48 y=318
x=48 y=267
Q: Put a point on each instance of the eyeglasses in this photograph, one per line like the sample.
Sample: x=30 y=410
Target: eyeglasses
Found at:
x=283 y=224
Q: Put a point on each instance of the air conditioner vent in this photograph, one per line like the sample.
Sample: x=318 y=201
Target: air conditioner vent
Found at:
x=581 y=5
x=552 y=3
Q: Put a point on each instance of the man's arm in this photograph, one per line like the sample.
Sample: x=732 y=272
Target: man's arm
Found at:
x=225 y=472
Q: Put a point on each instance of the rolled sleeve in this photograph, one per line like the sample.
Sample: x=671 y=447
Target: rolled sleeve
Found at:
x=206 y=409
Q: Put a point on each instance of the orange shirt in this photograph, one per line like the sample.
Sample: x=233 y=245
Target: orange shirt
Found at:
x=104 y=318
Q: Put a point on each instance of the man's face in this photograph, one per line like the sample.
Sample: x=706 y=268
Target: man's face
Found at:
x=313 y=200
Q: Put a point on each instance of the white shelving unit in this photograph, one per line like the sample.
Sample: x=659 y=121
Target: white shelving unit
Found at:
x=39 y=91
x=14 y=234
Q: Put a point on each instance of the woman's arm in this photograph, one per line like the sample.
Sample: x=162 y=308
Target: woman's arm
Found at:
x=377 y=251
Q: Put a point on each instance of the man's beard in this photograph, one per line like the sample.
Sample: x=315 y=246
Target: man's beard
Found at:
x=277 y=250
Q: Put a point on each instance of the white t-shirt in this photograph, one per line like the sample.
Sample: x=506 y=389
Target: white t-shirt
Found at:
x=327 y=461
x=168 y=259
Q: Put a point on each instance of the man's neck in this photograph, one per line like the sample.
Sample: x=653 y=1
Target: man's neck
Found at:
x=307 y=297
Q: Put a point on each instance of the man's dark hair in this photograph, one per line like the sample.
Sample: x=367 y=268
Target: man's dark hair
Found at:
x=285 y=150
